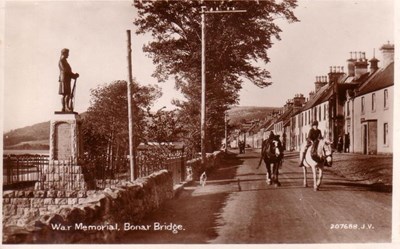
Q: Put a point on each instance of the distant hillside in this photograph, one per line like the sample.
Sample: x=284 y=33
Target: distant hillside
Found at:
x=36 y=135
x=239 y=113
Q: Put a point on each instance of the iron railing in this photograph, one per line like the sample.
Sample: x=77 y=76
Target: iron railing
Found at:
x=101 y=171
x=22 y=170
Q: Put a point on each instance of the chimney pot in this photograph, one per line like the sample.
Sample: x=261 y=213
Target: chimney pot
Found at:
x=387 y=54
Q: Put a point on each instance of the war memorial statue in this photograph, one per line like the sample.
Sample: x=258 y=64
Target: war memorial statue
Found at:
x=66 y=75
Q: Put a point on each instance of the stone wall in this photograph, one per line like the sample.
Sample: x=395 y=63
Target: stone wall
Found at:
x=21 y=207
x=196 y=168
x=126 y=202
x=35 y=217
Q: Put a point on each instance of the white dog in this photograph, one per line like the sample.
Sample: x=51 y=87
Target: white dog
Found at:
x=203 y=179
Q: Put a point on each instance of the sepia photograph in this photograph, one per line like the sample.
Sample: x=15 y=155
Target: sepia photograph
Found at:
x=199 y=122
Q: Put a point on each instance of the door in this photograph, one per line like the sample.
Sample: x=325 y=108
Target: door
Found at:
x=372 y=137
x=364 y=138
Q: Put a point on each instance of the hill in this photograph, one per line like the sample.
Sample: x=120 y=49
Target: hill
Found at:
x=248 y=113
x=36 y=135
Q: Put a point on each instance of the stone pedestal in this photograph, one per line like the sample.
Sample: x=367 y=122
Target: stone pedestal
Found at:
x=65 y=142
x=63 y=171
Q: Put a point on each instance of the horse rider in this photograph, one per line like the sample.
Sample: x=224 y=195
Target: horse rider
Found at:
x=313 y=136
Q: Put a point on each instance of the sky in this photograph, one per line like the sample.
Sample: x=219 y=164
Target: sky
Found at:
x=95 y=33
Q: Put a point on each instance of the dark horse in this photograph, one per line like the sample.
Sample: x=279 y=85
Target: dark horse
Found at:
x=272 y=154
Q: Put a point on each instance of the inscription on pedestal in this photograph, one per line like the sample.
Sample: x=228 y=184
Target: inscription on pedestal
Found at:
x=65 y=137
x=62 y=150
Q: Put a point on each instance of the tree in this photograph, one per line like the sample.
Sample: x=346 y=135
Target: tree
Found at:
x=236 y=48
x=163 y=126
x=105 y=127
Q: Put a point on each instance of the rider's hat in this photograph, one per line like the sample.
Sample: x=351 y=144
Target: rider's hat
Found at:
x=315 y=123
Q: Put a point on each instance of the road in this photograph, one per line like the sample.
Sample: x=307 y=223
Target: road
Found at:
x=223 y=212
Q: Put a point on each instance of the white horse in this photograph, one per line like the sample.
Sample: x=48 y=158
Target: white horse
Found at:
x=324 y=157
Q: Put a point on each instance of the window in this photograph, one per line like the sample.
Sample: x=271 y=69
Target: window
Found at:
x=373 y=102
x=385 y=133
x=325 y=112
x=348 y=108
x=309 y=116
x=319 y=114
x=385 y=98
x=305 y=118
x=362 y=105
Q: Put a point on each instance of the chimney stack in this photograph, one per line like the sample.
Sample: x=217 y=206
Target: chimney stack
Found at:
x=373 y=64
x=388 y=54
x=320 y=82
x=335 y=72
x=361 y=65
x=351 y=65
x=299 y=100
x=311 y=95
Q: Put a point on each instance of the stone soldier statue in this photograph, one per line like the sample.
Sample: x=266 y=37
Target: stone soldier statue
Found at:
x=66 y=75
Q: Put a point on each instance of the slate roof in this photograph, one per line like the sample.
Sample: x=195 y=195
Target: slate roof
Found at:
x=383 y=78
x=319 y=97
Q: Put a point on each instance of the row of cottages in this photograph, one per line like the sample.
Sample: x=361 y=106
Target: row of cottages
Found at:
x=356 y=106
x=254 y=132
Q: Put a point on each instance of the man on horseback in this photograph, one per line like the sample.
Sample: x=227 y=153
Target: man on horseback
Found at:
x=313 y=137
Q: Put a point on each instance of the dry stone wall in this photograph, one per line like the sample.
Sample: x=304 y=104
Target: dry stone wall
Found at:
x=196 y=168
x=34 y=217
x=126 y=202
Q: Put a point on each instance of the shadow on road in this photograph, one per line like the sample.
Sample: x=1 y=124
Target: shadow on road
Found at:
x=196 y=209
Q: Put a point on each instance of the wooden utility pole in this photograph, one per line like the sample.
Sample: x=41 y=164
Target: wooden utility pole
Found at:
x=130 y=116
x=203 y=73
x=226 y=132
x=203 y=86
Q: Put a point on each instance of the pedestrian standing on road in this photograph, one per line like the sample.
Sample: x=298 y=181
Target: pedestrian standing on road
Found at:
x=347 y=143
x=340 y=144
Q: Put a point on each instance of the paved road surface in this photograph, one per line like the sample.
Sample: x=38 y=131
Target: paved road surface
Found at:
x=258 y=213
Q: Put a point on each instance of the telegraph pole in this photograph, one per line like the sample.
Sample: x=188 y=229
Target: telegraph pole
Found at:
x=203 y=72
x=226 y=132
x=203 y=85
x=130 y=121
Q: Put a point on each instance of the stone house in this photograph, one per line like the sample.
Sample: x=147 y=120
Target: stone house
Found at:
x=369 y=108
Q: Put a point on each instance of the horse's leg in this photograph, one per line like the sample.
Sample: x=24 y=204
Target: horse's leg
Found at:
x=314 y=172
x=305 y=177
x=268 y=166
x=273 y=178
x=276 y=170
x=320 y=174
